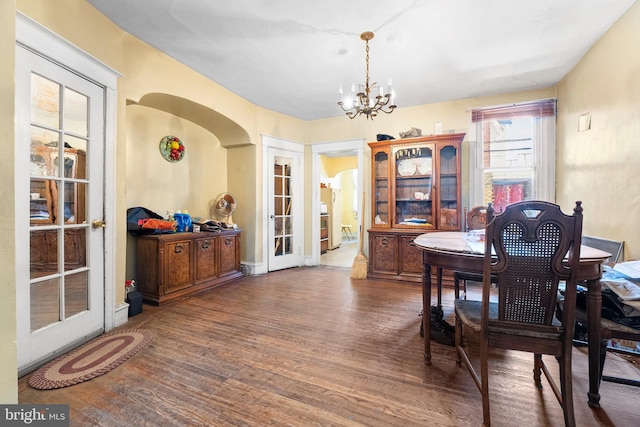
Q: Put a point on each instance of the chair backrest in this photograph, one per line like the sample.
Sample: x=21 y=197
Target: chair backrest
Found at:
x=476 y=218
x=531 y=241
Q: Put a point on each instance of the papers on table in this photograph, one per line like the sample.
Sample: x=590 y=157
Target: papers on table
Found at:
x=631 y=269
x=625 y=289
x=631 y=308
x=626 y=292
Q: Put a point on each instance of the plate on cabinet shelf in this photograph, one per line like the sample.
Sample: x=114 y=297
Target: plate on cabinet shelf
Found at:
x=406 y=167
x=424 y=167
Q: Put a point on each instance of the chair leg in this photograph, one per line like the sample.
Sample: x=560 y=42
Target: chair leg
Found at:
x=458 y=338
x=603 y=355
x=484 y=381
x=566 y=389
x=537 y=367
x=456 y=286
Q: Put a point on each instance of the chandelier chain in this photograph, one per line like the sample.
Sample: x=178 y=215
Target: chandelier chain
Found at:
x=367 y=70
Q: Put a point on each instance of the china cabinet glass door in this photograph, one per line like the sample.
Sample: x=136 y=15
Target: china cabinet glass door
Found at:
x=414 y=183
x=381 y=188
x=449 y=189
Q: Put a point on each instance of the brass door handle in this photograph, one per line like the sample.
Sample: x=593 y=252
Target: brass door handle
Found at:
x=98 y=223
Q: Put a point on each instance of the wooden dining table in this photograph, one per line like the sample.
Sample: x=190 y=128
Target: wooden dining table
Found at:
x=464 y=251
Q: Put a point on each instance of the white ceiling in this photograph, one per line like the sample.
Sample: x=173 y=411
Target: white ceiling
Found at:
x=290 y=56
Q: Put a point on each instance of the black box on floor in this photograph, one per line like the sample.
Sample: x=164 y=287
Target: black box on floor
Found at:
x=134 y=299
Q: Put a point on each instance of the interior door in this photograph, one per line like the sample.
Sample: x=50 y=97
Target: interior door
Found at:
x=59 y=208
x=285 y=209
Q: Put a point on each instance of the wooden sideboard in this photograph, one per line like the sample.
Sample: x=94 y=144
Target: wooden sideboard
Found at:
x=170 y=266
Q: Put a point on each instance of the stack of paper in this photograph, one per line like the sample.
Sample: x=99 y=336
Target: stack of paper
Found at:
x=625 y=289
x=628 y=294
x=631 y=269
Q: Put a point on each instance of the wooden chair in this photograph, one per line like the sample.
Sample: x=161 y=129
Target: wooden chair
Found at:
x=476 y=219
x=526 y=247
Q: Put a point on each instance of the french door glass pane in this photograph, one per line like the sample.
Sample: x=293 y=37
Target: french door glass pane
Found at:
x=44 y=253
x=283 y=215
x=76 y=293
x=45 y=304
x=45 y=101
x=75 y=149
x=75 y=248
x=76 y=112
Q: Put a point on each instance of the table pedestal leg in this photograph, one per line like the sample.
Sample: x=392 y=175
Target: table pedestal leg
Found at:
x=594 y=316
x=426 y=312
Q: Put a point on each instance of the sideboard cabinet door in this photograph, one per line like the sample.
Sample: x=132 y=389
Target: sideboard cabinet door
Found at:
x=177 y=266
x=206 y=258
x=229 y=255
x=410 y=257
x=383 y=249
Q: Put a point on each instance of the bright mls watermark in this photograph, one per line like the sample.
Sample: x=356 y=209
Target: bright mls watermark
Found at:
x=34 y=415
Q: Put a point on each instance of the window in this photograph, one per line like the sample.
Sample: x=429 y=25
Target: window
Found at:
x=514 y=154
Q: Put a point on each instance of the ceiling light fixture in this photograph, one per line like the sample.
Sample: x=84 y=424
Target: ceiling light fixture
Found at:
x=362 y=102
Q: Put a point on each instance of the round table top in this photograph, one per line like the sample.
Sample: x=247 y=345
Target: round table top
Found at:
x=473 y=243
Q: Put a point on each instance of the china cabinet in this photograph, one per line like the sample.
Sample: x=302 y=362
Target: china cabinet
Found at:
x=173 y=265
x=415 y=189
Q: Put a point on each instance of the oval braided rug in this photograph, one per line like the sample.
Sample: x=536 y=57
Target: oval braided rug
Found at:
x=90 y=360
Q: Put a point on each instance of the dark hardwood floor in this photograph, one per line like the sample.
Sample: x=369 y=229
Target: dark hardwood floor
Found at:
x=311 y=347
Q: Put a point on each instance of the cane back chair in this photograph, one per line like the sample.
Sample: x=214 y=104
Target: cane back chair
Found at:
x=530 y=247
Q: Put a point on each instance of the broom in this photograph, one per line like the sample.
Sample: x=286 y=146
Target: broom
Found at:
x=359 y=268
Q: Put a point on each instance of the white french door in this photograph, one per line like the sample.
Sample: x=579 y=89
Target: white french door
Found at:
x=60 y=284
x=285 y=207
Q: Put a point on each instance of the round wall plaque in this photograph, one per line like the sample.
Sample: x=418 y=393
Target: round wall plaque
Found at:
x=172 y=149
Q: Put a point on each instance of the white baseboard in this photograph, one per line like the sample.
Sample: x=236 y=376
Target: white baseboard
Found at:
x=252 y=269
x=122 y=314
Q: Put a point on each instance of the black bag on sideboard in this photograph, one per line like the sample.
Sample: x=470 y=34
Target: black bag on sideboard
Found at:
x=134 y=217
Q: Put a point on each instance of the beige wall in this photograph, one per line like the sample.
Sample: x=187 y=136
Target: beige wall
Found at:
x=348 y=213
x=609 y=92
x=600 y=166
x=8 y=358
x=156 y=184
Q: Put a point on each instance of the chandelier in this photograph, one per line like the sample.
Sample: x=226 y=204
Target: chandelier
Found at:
x=363 y=102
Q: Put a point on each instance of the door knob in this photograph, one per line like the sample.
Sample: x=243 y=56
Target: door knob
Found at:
x=98 y=223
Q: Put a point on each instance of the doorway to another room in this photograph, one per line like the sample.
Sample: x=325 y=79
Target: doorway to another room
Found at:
x=338 y=212
x=338 y=202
